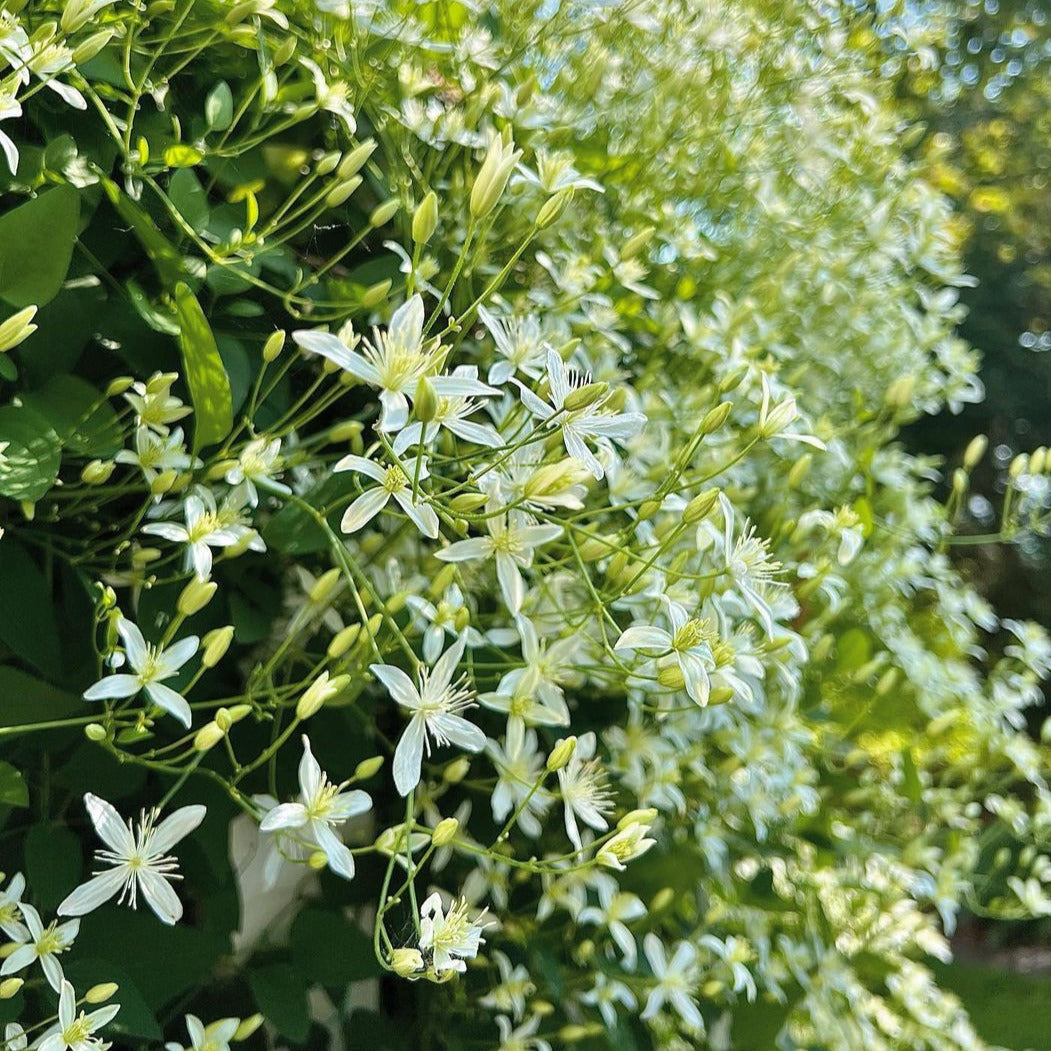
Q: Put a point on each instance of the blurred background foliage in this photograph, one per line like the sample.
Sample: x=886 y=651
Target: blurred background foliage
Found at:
x=979 y=85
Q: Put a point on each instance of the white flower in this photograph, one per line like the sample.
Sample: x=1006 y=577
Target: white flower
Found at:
x=322 y=807
x=512 y=541
x=155 y=453
x=206 y=527
x=606 y=994
x=393 y=362
x=687 y=642
x=73 y=1031
x=676 y=980
x=216 y=1036
x=152 y=666
x=593 y=421
x=585 y=790
x=154 y=404
x=617 y=910
x=435 y=705
x=11 y=909
x=9 y=108
x=450 y=937
x=452 y=411
x=750 y=565
x=393 y=483
x=139 y=860
x=520 y=342
x=773 y=421
x=520 y=765
x=522 y=1037
x=43 y=944
x=437 y=620
x=260 y=460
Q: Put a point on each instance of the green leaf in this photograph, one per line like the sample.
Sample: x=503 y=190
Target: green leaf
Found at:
x=36 y=245
x=82 y=418
x=281 y=998
x=163 y=254
x=27 y=614
x=29 y=464
x=13 y=789
x=187 y=194
x=30 y=700
x=205 y=373
x=329 y=950
x=53 y=860
x=182 y=156
x=219 y=107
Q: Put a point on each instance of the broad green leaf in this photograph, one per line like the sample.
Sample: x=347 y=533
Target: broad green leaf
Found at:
x=30 y=700
x=187 y=194
x=27 y=614
x=281 y=997
x=163 y=254
x=135 y=1018
x=182 y=156
x=29 y=464
x=295 y=532
x=53 y=861
x=13 y=790
x=329 y=950
x=205 y=373
x=81 y=416
x=36 y=245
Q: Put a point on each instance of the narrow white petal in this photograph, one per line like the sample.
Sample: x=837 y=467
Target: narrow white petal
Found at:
x=408 y=756
x=159 y=895
x=176 y=826
x=110 y=826
x=97 y=891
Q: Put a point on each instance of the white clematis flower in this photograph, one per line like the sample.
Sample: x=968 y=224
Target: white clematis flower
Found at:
x=450 y=937
x=323 y=806
x=393 y=484
x=676 y=980
x=76 y=1031
x=139 y=860
x=43 y=944
x=436 y=704
x=11 y=909
x=152 y=666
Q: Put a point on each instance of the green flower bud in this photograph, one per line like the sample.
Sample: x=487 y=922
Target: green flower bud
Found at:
x=273 y=346
x=216 y=643
x=355 y=160
x=195 y=596
x=975 y=451
x=491 y=181
x=208 y=737
x=425 y=404
x=342 y=192
x=99 y=994
x=584 y=396
x=383 y=213
x=561 y=754
x=445 y=832
x=17 y=328
x=425 y=219
x=97 y=472
x=368 y=768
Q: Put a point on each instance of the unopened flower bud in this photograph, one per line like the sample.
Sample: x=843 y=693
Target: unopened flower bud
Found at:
x=223 y=720
x=247 y=1027
x=273 y=346
x=17 y=328
x=368 y=768
x=899 y=393
x=324 y=586
x=95 y=732
x=662 y=899
x=551 y=210
x=383 y=213
x=700 y=507
x=466 y=503
x=975 y=451
x=716 y=417
x=328 y=163
x=208 y=736
x=637 y=242
x=489 y=184
x=355 y=160
x=97 y=472
x=342 y=192
x=10 y=986
x=445 y=831
x=406 y=961
x=88 y=49
x=1038 y=460
x=425 y=219
x=561 y=754
x=195 y=596
x=595 y=548
x=671 y=677
x=377 y=293
x=720 y=695
x=284 y=51
x=215 y=645
x=457 y=770
x=163 y=482
x=318 y=860
x=1019 y=465
x=584 y=396
x=800 y=469
x=425 y=404
x=343 y=640
x=99 y=994
x=346 y=432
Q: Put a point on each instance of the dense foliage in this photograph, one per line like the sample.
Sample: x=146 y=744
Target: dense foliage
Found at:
x=452 y=491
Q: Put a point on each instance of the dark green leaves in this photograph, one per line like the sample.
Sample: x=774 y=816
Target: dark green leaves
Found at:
x=52 y=857
x=205 y=373
x=281 y=996
x=36 y=245
x=29 y=464
x=28 y=623
x=82 y=418
x=330 y=951
x=13 y=790
x=219 y=107
x=163 y=254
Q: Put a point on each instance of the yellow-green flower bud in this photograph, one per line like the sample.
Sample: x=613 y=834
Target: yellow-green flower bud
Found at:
x=195 y=596
x=343 y=640
x=163 y=482
x=637 y=242
x=465 y=503
x=456 y=771
x=216 y=643
x=425 y=219
x=273 y=346
x=561 y=754
x=247 y=1027
x=355 y=159
x=551 y=210
x=88 y=49
x=99 y=994
x=368 y=768
x=377 y=293
x=342 y=192
x=325 y=586
x=404 y=962
x=97 y=472
x=17 y=328
x=489 y=184
x=975 y=451
x=383 y=213
x=10 y=986
x=700 y=507
x=445 y=831
x=584 y=396
x=119 y=386
x=208 y=737
x=95 y=732
x=716 y=417
x=425 y=404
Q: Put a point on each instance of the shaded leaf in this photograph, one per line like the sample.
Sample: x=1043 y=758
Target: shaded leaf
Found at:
x=53 y=862
x=13 y=789
x=281 y=998
x=82 y=417
x=29 y=464
x=27 y=615
x=205 y=373
x=36 y=245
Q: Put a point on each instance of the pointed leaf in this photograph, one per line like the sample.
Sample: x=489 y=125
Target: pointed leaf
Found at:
x=36 y=245
x=205 y=373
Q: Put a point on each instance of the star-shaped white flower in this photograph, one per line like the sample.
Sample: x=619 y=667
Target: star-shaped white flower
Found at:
x=43 y=944
x=394 y=483
x=11 y=909
x=139 y=860
x=676 y=980
x=76 y=1031
x=152 y=666
x=435 y=704
x=322 y=807
x=450 y=937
